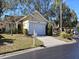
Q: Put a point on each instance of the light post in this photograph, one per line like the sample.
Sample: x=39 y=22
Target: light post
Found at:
x=34 y=38
x=34 y=35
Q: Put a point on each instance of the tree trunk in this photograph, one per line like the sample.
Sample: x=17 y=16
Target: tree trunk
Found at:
x=61 y=16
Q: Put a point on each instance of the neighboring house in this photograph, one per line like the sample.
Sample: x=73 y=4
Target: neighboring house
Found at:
x=34 y=22
x=10 y=22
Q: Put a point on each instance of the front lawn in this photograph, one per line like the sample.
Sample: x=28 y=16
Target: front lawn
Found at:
x=64 y=39
x=16 y=42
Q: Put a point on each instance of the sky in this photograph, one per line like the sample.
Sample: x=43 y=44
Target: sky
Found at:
x=73 y=4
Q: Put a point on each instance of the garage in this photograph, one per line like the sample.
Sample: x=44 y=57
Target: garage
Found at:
x=38 y=27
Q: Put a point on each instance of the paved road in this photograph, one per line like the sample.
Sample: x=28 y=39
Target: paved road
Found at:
x=70 y=51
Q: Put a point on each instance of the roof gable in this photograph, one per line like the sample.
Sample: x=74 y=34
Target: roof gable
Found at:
x=38 y=17
x=35 y=16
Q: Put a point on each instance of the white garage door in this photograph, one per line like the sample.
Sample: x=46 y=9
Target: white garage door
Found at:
x=38 y=27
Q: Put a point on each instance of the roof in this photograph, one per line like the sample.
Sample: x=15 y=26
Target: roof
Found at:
x=36 y=15
x=12 y=18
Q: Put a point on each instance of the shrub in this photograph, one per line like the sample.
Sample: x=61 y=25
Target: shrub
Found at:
x=25 y=31
x=78 y=29
x=68 y=31
x=65 y=35
x=49 y=29
x=14 y=30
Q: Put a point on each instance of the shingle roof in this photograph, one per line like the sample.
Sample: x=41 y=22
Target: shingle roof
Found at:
x=13 y=18
x=36 y=15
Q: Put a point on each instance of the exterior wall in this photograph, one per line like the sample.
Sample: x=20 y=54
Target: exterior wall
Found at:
x=26 y=24
x=10 y=27
x=7 y=28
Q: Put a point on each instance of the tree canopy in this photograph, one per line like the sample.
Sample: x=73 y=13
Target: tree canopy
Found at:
x=47 y=8
x=0 y=7
x=69 y=17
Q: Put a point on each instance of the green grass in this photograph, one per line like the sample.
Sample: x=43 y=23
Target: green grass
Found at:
x=64 y=39
x=19 y=42
x=78 y=29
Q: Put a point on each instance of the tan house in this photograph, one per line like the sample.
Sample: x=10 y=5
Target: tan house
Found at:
x=10 y=23
x=34 y=22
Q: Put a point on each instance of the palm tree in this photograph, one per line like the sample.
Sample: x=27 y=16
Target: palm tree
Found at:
x=59 y=3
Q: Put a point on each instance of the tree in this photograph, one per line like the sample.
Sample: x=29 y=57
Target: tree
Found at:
x=0 y=7
x=28 y=5
x=49 y=29
x=73 y=19
x=4 y=5
x=59 y=3
x=44 y=7
x=69 y=17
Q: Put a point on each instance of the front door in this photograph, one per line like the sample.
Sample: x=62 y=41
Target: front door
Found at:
x=20 y=30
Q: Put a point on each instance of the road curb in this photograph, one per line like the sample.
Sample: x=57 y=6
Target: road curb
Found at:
x=19 y=52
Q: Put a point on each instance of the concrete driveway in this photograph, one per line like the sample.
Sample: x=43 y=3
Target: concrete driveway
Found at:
x=50 y=41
